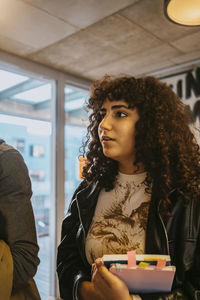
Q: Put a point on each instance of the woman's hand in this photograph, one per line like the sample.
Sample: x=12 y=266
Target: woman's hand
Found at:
x=87 y=291
x=106 y=284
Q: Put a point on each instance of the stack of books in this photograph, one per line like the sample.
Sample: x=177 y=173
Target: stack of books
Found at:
x=146 y=273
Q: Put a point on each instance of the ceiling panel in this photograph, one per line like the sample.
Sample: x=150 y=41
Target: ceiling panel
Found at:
x=14 y=46
x=31 y=26
x=186 y=57
x=188 y=43
x=138 y=64
x=89 y=38
x=123 y=34
x=81 y=13
x=68 y=50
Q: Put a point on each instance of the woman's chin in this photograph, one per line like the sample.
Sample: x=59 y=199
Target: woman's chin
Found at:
x=108 y=155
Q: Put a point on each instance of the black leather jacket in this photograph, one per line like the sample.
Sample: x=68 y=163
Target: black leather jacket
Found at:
x=177 y=235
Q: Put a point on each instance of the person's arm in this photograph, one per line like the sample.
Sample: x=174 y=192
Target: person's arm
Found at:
x=70 y=268
x=15 y=206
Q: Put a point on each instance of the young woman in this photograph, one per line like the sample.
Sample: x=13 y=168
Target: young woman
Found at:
x=141 y=191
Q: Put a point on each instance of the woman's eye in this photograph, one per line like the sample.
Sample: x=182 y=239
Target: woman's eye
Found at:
x=102 y=115
x=121 y=114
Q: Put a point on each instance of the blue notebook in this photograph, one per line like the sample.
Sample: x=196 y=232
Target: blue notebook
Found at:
x=123 y=259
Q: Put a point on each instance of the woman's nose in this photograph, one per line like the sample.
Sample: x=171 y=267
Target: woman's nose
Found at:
x=106 y=123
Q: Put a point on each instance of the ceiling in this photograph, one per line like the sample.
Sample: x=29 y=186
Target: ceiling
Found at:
x=89 y=38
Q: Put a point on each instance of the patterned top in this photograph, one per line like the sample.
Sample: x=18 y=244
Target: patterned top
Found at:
x=120 y=218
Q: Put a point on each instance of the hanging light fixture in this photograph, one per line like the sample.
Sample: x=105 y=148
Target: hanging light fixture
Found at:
x=183 y=12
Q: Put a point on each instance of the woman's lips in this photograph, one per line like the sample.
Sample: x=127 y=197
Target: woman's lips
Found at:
x=106 y=140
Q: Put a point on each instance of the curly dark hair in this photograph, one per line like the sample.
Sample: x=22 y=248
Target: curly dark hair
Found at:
x=164 y=143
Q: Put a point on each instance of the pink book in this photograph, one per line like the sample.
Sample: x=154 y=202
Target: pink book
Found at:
x=145 y=279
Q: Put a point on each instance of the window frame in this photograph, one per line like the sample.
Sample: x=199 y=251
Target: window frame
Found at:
x=59 y=80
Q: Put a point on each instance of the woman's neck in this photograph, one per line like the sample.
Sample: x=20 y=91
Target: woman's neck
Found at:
x=131 y=169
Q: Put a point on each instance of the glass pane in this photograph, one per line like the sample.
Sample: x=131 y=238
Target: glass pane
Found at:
x=75 y=129
x=25 y=123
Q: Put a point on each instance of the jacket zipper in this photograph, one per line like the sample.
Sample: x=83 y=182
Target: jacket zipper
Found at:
x=163 y=225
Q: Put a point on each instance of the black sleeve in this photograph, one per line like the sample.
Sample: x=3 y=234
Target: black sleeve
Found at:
x=16 y=209
x=70 y=267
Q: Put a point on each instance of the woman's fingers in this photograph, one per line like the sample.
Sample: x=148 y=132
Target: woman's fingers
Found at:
x=108 y=284
x=103 y=275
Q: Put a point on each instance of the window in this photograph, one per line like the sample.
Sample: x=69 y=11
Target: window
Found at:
x=35 y=123
x=75 y=130
x=25 y=123
x=19 y=145
x=36 y=150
